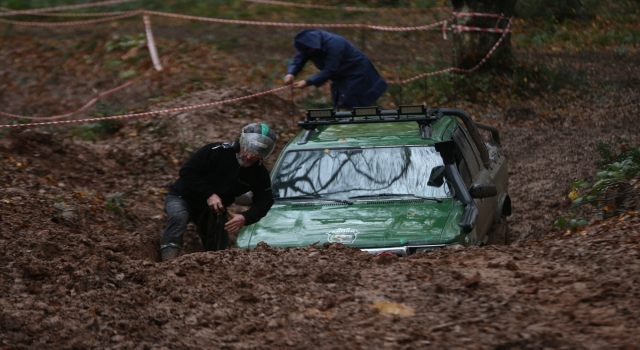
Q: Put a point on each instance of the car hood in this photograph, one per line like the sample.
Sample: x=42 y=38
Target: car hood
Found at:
x=363 y=224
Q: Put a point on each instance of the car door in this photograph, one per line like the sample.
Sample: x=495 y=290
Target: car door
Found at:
x=478 y=175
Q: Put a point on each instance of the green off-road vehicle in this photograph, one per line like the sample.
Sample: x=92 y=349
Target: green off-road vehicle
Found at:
x=399 y=181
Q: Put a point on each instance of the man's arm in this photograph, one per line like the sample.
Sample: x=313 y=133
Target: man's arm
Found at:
x=194 y=171
x=332 y=58
x=262 y=198
x=262 y=201
x=297 y=63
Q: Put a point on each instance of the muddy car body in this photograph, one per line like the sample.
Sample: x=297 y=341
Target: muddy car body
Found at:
x=399 y=181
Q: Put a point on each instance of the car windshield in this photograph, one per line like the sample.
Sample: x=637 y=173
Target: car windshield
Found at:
x=358 y=173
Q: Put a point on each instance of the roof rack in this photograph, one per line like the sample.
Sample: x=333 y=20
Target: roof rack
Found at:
x=365 y=115
x=418 y=113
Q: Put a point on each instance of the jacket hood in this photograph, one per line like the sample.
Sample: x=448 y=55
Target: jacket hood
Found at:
x=307 y=39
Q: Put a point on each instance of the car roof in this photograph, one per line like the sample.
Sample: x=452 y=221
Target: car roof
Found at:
x=373 y=135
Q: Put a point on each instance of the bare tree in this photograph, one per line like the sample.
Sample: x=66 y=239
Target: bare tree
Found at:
x=470 y=47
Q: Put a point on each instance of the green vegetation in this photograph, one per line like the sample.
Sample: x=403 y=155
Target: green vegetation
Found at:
x=96 y=130
x=124 y=42
x=625 y=153
x=610 y=194
x=115 y=202
x=545 y=77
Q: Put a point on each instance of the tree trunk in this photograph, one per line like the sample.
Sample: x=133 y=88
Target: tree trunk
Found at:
x=471 y=47
x=553 y=9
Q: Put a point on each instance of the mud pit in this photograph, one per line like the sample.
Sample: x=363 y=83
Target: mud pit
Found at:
x=80 y=224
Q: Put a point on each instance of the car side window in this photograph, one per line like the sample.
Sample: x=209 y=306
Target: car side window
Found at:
x=463 y=169
x=464 y=172
x=467 y=152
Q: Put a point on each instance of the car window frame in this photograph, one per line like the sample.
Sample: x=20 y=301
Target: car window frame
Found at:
x=469 y=153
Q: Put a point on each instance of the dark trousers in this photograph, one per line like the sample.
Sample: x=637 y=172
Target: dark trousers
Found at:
x=210 y=227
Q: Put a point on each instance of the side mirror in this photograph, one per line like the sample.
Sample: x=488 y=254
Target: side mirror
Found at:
x=436 y=178
x=483 y=190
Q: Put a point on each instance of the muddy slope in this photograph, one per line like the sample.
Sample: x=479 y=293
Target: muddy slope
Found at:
x=80 y=223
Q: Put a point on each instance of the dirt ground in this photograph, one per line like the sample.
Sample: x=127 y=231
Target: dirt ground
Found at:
x=80 y=223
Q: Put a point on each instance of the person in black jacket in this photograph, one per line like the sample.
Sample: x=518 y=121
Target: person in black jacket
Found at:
x=210 y=181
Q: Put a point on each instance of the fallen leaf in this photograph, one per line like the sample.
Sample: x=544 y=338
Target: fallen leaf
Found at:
x=472 y=281
x=388 y=307
x=530 y=290
x=573 y=194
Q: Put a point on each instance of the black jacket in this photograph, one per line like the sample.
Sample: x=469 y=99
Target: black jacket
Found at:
x=215 y=169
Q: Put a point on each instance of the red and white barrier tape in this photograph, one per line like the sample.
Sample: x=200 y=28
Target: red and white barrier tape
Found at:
x=459 y=28
x=87 y=105
x=347 y=8
x=477 y=14
x=402 y=82
x=63 y=8
x=227 y=21
x=505 y=31
x=9 y=12
x=143 y=114
x=73 y=23
x=78 y=14
x=280 y=24
x=158 y=66
x=455 y=28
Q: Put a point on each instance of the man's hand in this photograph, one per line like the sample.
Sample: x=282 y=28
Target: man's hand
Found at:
x=300 y=84
x=235 y=223
x=214 y=202
x=288 y=79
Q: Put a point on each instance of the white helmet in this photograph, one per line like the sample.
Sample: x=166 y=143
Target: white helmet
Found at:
x=257 y=138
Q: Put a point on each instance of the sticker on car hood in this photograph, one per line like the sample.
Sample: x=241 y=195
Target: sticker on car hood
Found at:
x=342 y=235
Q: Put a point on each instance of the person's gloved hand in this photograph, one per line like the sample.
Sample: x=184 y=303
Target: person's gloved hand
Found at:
x=214 y=202
x=288 y=79
x=235 y=223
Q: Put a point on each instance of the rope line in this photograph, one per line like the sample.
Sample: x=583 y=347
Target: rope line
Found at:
x=125 y=14
x=186 y=108
x=61 y=8
x=280 y=24
x=220 y=20
x=347 y=8
x=78 y=14
x=493 y=49
x=72 y=23
x=143 y=114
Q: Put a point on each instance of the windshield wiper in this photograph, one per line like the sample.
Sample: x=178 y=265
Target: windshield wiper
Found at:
x=439 y=200
x=317 y=196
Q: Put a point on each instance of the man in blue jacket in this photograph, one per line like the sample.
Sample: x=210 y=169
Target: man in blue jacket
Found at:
x=354 y=80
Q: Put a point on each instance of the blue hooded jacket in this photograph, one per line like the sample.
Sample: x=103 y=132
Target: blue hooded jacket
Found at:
x=351 y=73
